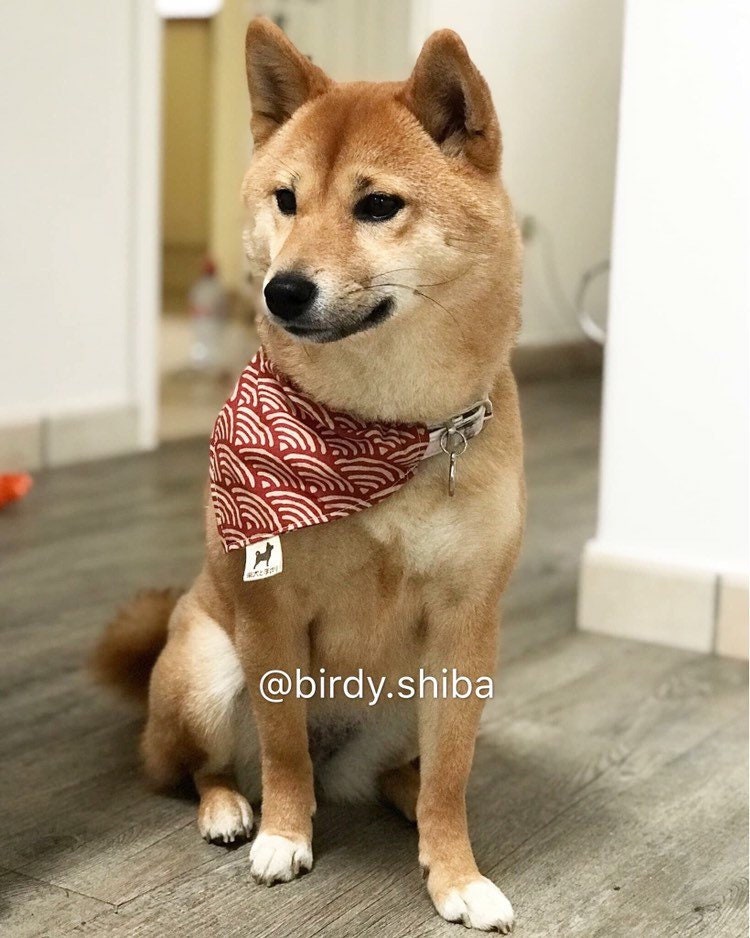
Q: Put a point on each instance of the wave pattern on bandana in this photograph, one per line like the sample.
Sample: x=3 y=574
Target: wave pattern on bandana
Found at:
x=281 y=461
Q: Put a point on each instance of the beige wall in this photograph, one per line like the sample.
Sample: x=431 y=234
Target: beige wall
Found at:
x=206 y=146
x=186 y=153
x=352 y=40
x=230 y=138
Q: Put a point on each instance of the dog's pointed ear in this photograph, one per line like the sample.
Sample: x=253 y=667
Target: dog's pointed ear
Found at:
x=453 y=102
x=280 y=79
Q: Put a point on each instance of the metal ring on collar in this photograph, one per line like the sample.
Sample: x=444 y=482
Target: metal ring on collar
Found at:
x=447 y=444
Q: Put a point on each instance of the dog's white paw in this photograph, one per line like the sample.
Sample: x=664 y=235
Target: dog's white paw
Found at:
x=277 y=859
x=225 y=819
x=480 y=905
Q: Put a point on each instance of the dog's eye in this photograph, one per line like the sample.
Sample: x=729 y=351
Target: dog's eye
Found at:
x=286 y=201
x=378 y=207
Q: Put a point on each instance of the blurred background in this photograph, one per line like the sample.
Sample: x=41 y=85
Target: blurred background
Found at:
x=127 y=308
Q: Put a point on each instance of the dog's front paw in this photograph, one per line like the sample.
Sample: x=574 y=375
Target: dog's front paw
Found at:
x=479 y=904
x=277 y=859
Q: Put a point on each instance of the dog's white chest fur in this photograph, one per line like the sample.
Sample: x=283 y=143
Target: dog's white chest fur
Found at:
x=461 y=532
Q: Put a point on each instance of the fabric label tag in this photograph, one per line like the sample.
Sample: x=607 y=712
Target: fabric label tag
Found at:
x=263 y=559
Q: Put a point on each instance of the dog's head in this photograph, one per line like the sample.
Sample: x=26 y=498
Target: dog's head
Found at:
x=377 y=209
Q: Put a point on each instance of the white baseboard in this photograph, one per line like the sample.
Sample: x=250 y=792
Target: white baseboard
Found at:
x=69 y=438
x=21 y=446
x=732 y=630
x=684 y=607
x=95 y=435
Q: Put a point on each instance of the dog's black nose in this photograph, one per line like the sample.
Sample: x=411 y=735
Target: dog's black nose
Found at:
x=289 y=296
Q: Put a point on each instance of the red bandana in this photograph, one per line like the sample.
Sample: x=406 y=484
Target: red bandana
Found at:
x=280 y=461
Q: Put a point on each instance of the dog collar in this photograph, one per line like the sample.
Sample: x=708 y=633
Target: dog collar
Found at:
x=280 y=461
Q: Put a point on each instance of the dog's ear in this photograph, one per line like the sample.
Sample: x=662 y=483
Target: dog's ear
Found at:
x=280 y=79
x=452 y=101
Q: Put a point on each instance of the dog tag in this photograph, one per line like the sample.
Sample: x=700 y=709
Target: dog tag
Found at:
x=452 y=462
x=263 y=559
x=453 y=443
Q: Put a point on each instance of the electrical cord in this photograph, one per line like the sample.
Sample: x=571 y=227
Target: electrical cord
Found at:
x=531 y=230
x=591 y=328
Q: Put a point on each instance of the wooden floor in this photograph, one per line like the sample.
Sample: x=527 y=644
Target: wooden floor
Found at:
x=608 y=798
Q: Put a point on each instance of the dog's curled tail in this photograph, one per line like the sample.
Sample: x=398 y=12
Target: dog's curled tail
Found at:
x=127 y=651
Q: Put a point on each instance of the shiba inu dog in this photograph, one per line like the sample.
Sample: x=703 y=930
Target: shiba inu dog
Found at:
x=391 y=265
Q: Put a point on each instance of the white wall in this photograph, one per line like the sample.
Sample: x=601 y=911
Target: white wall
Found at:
x=554 y=70
x=674 y=471
x=351 y=40
x=77 y=184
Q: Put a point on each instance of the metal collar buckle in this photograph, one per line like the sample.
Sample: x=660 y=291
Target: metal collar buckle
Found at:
x=452 y=437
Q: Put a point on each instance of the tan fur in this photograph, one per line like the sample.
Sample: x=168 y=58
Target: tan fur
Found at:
x=400 y=787
x=415 y=580
x=127 y=652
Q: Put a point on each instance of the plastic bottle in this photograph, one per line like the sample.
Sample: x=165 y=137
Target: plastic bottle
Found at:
x=208 y=304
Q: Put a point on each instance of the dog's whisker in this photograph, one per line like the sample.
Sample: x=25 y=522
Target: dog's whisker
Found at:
x=437 y=283
x=444 y=308
x=441 y=283
x=466 y=240
x=418 y=292
x=485 y=246
x=398 y=270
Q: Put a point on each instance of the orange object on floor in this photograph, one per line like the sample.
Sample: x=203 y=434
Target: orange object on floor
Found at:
x=13 y=486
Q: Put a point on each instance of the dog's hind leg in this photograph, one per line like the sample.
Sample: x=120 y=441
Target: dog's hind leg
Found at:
x=224 y=815
x=400 y=788
x=199 y=723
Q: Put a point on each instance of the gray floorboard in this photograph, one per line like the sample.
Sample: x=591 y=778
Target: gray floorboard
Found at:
x=608 y=798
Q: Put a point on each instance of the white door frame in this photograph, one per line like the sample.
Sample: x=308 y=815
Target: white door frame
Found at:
x=145 y=240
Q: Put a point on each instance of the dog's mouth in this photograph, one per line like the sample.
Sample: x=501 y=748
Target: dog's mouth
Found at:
x=317 y=332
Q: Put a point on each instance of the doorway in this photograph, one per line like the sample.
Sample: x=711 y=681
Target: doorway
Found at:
x=207 y=309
